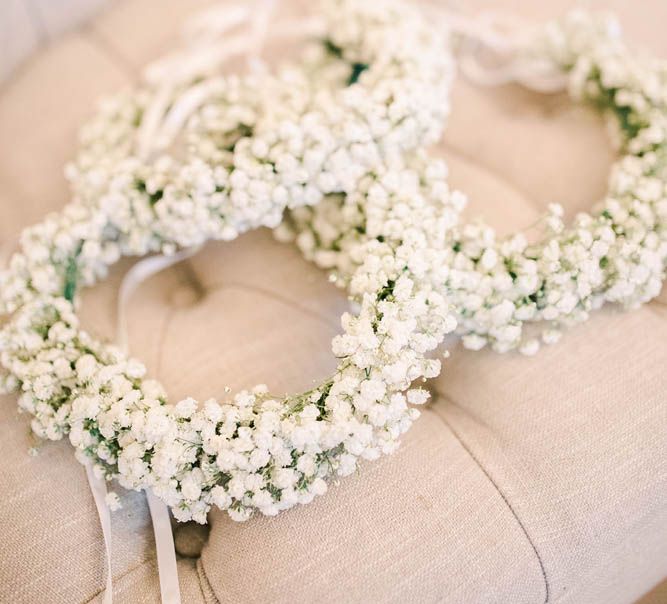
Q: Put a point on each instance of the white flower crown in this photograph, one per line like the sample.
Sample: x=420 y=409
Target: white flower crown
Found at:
x=375 y=89
x=616 y=254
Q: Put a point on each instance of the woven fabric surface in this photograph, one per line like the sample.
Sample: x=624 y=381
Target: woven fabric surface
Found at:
x=529 y=480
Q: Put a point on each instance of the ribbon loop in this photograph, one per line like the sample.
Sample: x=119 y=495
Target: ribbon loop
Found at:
x=505 y=39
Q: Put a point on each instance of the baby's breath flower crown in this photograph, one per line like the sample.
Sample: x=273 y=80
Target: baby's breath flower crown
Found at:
x=339 y=142
x=615 y=254
x=344 y=121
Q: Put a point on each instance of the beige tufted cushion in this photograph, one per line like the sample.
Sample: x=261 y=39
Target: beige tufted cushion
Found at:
x=526 y=480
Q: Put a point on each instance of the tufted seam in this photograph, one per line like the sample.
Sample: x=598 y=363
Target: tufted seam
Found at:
x=204 y=581
x=189 y=274
x=500 y=492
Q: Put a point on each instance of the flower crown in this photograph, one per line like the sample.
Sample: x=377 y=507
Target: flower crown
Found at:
x=339 y=142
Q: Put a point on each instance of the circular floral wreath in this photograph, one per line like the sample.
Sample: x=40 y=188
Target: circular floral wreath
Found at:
x=386 y=223
x=616 y=254
x=375 y=88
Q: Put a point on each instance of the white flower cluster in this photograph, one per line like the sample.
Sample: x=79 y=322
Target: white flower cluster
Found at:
x=257 y=451
x=253 y=148
x=248 y=147
x=616 y=254
x=340 y=144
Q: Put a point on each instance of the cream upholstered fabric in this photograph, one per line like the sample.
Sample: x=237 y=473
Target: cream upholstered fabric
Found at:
x=25 y=25
x=531 y=480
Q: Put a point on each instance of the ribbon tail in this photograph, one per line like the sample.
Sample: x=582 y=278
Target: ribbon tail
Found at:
x=164 y=540
x=166 y=553
x=98 y=488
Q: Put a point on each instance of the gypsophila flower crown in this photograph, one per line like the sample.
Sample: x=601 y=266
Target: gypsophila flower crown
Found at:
x=338 y=141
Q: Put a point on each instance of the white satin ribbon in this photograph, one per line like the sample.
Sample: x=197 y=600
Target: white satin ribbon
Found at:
x=170 y=591
x=164 y=539
x=258 y=30
x=215 y=20
x=208 y=50
x=505 y=37
x=98 y=488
